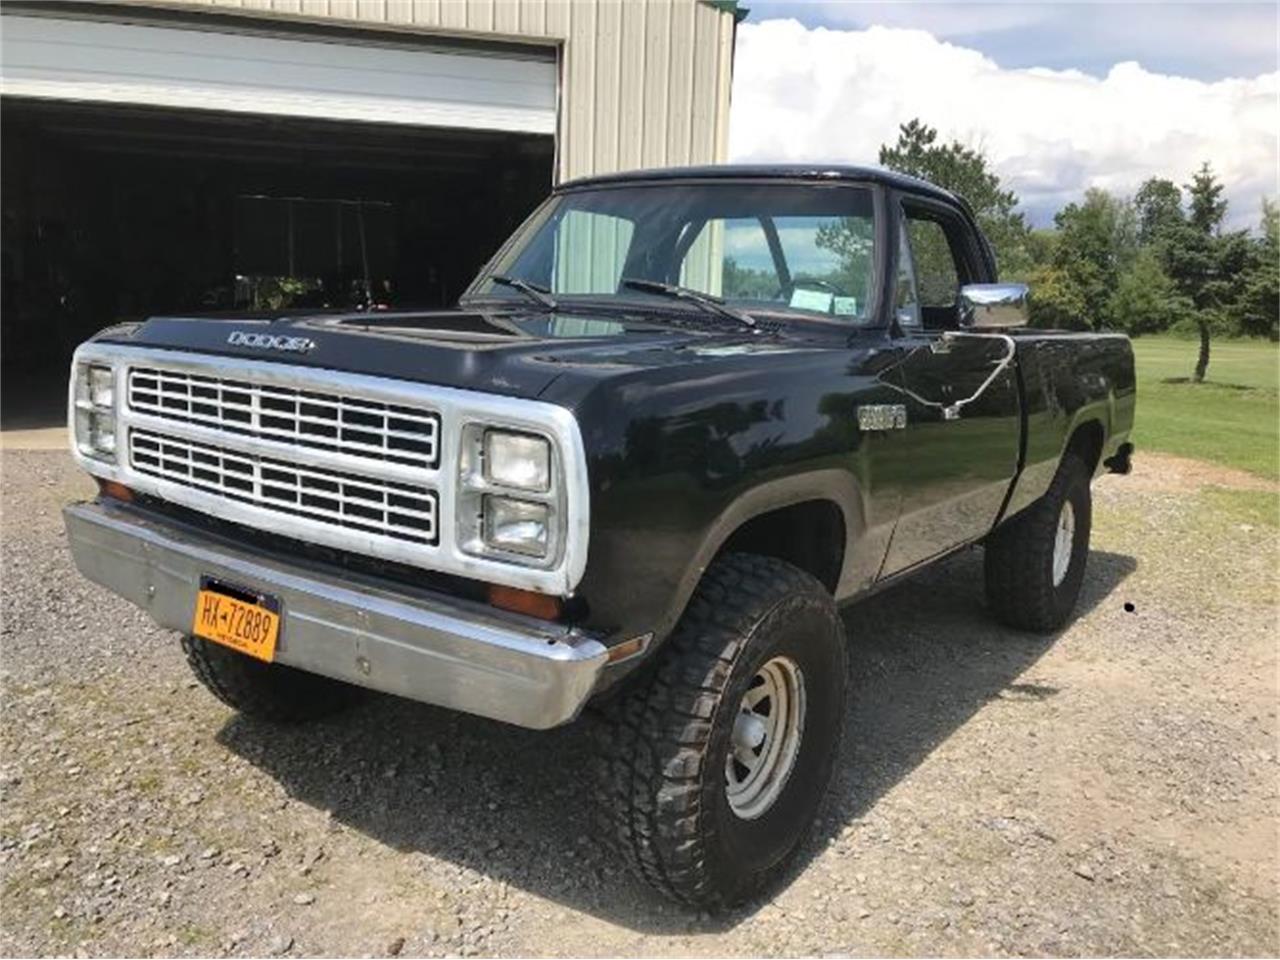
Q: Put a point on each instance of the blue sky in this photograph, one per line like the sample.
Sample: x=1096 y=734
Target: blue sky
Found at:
x=1205 y=41
x=1060 y=96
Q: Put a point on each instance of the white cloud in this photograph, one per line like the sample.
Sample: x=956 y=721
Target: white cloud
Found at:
x=835 y=95
x=1207 y=39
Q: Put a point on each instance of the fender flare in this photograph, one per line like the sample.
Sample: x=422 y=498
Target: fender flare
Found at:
x=835 y=485
x=1100 y=412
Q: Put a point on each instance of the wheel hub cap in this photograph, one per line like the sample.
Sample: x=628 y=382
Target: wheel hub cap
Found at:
x=1063 y=542
x=766 y=738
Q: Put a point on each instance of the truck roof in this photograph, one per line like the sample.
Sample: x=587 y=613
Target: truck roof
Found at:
x=767 y=171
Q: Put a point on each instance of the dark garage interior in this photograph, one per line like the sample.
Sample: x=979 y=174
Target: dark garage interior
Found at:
x=114 y=214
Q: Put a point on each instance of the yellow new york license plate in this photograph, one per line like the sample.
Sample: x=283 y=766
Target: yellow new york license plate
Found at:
x=236 y=618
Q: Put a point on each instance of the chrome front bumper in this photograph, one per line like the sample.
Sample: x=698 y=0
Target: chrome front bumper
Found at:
x=416 y=644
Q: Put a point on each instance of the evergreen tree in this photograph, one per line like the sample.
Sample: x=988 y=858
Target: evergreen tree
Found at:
x=1194 y=252
x=1206 y=205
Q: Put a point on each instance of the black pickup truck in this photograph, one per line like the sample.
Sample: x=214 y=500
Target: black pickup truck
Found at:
x=676 y=421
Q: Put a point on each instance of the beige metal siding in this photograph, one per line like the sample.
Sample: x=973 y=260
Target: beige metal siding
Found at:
x=643 y=82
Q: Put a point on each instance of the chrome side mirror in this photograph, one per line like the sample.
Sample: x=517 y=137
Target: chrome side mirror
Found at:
x=994 y=305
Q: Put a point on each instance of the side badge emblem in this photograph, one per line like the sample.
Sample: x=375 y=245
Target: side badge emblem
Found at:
x=882 y=416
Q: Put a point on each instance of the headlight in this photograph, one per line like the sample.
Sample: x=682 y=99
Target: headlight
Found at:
x=102 y=431
x=95 y=411
x=519 y=526
x=510 y=502
x=517 y=460
x=101 y=387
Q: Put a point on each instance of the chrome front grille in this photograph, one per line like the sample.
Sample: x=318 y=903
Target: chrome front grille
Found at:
x=358 y=427
x=224 y=436
x=401 y=511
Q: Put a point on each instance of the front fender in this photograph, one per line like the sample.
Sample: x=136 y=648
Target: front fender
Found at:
x=837 y=486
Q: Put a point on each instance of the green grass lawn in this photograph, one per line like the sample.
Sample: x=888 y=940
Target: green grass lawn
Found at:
x=1232 y=418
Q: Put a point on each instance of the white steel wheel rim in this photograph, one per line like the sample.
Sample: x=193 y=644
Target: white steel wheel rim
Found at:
x=1063 y=541
x=766 y=738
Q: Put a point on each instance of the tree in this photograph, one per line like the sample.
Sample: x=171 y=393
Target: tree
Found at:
x=1056 y=300
x=1206 y=206
x=1097 y=239
x=1258 y=305
x=1194 y=254
x=1145 y=300
x=1158 y=208
x=964 y=171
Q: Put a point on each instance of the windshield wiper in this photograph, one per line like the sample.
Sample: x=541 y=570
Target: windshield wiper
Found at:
x=704 y=300
x=534 y=292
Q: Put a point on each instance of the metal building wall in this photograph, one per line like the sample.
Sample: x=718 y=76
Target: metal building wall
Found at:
x=644 y=83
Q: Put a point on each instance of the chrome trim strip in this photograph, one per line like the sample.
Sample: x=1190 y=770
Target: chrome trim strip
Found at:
x=412 y=643
x=456 y=409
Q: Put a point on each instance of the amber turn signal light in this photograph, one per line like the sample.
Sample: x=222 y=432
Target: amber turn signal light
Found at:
x=539 y=605
x=629 y=648
x=115 y=490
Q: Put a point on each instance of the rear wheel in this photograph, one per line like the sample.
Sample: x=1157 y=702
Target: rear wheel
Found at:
x=713 y=764
x=266 y=691
x=1035 y=562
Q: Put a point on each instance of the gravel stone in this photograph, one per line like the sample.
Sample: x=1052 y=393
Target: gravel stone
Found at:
x=982 y=771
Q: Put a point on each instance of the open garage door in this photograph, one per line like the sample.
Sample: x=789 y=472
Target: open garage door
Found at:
x=329 y=77
x=159 y=169
x=116 y=213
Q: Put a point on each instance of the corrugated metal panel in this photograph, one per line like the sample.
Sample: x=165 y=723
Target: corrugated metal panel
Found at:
x=661 y=73
x=95 y=60
x=644 y=82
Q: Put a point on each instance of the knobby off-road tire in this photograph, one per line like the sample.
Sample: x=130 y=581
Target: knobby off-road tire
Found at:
x=1024 y=587
x=265 y=691
x=665 y=743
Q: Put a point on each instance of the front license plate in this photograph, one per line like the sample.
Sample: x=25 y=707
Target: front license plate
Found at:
x=237 y=618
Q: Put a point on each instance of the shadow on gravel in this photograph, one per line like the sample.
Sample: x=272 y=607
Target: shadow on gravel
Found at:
x=514 y=805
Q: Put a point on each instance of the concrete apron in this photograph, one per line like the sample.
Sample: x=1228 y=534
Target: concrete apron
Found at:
x=44 y=438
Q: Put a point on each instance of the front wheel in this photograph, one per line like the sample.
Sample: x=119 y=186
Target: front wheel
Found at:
x=265 y=691
x=1035 y=562
x=713 y=764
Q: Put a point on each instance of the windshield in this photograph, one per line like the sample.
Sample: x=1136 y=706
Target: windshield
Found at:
x=804 y=249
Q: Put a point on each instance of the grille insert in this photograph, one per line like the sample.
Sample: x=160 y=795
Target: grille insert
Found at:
x=401 y=511
x=350 y=425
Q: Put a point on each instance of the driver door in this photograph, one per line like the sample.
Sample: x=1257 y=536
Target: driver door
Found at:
x=955 y=472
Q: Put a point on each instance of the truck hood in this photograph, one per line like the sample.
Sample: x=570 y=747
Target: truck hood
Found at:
x=509 y=353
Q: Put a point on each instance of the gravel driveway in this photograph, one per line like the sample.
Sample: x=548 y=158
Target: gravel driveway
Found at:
x=1109 y=790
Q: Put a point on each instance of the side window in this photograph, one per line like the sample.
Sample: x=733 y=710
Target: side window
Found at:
x=590 y=251
x=932 y=245
x=937 y=274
